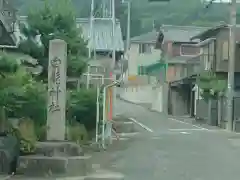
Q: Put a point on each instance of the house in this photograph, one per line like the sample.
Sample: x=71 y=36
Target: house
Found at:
x=7 y=19
x=10 y=37
x=214 y=46
x=142 y=52
x=182 y=59
x=169 y=61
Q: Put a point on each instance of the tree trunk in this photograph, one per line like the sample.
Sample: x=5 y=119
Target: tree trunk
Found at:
x=2 y=119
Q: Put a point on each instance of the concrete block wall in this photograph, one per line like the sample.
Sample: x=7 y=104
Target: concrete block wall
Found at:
x=140 y=94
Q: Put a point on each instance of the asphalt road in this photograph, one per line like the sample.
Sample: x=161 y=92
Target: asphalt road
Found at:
x=172 y=149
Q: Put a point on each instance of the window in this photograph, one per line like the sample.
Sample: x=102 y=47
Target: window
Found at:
x=144 y=48
x=7 y=13
x=91 y=86
x=208 y=55
x=225 y=50
x=211 y=54
x=142 y=70
x=205 y=58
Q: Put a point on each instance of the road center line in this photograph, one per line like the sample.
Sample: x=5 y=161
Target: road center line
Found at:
x=140 y=124
x=198 y=127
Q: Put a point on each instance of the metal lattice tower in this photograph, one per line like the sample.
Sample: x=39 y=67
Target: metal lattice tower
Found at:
x=102 y=10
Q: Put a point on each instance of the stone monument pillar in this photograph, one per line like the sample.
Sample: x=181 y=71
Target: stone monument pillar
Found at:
x=57 y=90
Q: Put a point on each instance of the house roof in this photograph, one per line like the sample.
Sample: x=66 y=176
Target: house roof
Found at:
x=102 y=34
x=208 y=30
x=102 y=39
x=171 y=33
x=8 y=28
x=149 y=37
x=212 y=29
x=181 y=33
x=205 y=42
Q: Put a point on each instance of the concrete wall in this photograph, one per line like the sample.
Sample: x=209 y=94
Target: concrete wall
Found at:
x=160 y=98
x=141 y=92
x=157 y=101
x=138 y=95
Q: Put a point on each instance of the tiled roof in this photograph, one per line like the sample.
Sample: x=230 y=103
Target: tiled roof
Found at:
x=181 y=33
x=149 y=37
x=171 y=33
x=102 y=35
x=212 y=29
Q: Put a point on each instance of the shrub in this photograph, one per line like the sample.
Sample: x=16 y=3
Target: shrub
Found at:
x=77 y=133
x=82 y=108
x=25 y=133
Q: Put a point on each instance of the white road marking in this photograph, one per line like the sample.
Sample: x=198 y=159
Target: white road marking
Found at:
x=127 y=134
x=186 y=129
x=198 y=127
x=185 y=133
x=120 y=139
x=140 y=124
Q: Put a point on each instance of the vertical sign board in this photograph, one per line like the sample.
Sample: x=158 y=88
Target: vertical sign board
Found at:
x=110 y=99
x=57 y=90
x=110 y=102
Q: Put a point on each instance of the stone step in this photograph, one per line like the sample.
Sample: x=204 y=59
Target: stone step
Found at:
x=51 y=148
x=38 y=165
x=120 y=118
x=95 y=176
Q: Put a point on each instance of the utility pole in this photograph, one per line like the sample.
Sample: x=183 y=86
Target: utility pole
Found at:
x=128 y=24
x=114 y=93
x=231 y=65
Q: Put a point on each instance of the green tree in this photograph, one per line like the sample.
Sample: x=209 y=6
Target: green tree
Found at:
x=55 y=20
x=7 y=86
x=82 y=107
x=20 y=95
